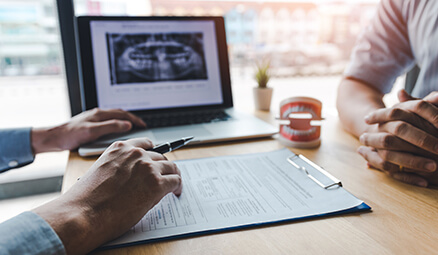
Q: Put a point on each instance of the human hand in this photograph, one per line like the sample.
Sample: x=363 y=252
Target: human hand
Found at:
x=404 y=144
x=83 y=128
x=432 y=98
x=116 y=192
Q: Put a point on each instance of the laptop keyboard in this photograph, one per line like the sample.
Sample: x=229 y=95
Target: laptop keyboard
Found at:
x=185 y=118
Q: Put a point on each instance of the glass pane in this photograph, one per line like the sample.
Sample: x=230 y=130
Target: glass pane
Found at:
x=32 y=86
x=112 y=7
x=29 y=39
x=300 y=38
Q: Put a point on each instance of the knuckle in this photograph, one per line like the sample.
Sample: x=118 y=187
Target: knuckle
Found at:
x=118 y=144
x=396 y=113
x=146 y=166
x=435 y=120
x=136 y=152
x=96 y=111
x=421 y=105
x=423 y=141
x=385 y=165
x=89 y=130
x=149 y=142
x=156 y=179
x=401 y=128
x=387 y=141
x=116 y=124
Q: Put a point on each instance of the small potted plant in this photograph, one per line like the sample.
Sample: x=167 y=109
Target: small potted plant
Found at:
x=262 y=93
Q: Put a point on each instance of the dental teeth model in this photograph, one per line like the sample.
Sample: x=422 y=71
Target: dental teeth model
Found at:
x=300 y=122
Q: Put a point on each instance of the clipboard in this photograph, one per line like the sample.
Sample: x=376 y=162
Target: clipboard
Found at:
x=295 y=161
x=289 y=188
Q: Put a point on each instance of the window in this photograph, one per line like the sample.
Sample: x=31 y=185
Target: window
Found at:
x=296 y=35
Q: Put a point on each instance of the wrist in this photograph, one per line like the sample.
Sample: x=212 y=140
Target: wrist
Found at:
x=71 y=223
x=44 y=140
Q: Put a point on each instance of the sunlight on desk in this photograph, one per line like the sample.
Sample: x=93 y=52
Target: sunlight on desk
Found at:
x=403 y=218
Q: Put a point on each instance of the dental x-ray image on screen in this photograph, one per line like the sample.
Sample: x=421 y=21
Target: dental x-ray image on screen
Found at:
x=155 y=57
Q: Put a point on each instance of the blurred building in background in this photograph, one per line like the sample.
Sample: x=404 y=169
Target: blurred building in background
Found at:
x=299 y=37
x=29 y=40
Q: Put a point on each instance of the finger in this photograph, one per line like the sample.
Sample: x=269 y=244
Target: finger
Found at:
x=412 y=135
x=155 y=156
x=404 y=96
x=409 y=178
x=391 y=114
x=432 y=98
x=172 y=183
x=376 y=161
x=424 y=109
x=144 y=143
x=168 y=167
x=387 y=141
x=408 y=160
x=98 y=129
x=102 y=115
x=419 y=113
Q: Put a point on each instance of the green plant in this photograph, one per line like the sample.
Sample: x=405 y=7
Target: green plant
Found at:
x=262 y=74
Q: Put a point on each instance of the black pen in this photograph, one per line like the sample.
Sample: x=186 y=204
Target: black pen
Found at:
x=171 y=146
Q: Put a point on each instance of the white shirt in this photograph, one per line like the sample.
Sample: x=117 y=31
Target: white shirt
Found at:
x=402 y=34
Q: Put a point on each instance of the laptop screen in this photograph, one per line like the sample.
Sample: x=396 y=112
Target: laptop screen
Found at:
x=155 y=64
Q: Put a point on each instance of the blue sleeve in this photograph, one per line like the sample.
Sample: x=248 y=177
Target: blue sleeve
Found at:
x=15 y=148
x=383 y=51
x=28 y=233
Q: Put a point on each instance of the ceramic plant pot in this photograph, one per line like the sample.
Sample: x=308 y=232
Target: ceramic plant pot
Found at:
x=262 y=98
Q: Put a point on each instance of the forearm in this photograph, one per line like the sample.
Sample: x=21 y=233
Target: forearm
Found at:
x=355 y=100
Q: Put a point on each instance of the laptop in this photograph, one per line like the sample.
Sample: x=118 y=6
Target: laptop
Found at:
x=173 y=72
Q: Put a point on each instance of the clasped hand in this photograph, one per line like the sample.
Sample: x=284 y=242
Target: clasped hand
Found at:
x=402 y=141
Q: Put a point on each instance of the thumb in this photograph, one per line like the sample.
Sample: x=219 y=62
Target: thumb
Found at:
x=404 y=96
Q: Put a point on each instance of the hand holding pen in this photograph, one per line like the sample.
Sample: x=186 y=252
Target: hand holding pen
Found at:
x=169 y=146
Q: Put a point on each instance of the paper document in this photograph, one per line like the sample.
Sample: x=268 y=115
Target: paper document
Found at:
x=226 y=192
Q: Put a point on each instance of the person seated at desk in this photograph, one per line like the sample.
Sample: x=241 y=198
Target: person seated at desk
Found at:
x=116 y=192
x=401 y=140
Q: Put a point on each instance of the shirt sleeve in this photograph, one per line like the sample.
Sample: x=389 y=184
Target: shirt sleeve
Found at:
x=383 y=51
x=28 y=233
x=15 y=148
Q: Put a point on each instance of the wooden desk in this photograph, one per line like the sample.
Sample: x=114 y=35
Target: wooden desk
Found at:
x=404 y=218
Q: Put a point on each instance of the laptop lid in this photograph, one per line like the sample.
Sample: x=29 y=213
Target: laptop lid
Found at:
x=154 y=64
